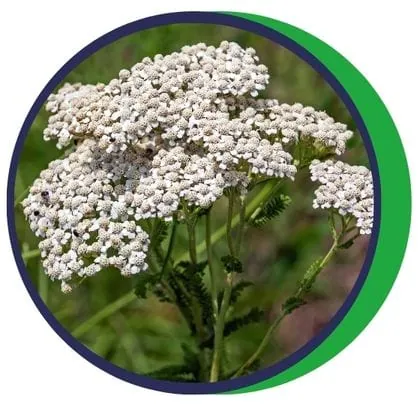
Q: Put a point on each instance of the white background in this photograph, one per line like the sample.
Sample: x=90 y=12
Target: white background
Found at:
x=375 y=377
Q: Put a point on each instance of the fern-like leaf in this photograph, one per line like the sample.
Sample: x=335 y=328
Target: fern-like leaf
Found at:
x=253 y=316
x=292 y=303
x=310 y=276
x=159 y=233
x=181 y=373
x=237 y=290
x=192 y=276
x=145 y=282
x=231 y=264
x=273 y=208
x=182 y=300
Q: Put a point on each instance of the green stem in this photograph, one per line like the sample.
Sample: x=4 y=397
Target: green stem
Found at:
x=192 y=241
x=213 y=283
x=268 y=194
x=21 y=196
x=219 y=329
x=27 y=255
x=43 y=283
x=229 y=224
x=167 y=259
x=241 y=228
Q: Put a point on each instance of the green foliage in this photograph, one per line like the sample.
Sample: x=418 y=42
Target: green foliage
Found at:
x=159 y=233
x=253 y=316
x=192 y=277
x=145 y=282
x=188 y=371
x=231 y=264
x=292 y=303
x=182 y=300
x=310 y=276
x=347 y=244
x=271 y=210
x=237 y=290
x=181 y=373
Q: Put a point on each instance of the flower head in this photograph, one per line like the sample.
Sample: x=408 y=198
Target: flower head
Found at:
x=346 y=188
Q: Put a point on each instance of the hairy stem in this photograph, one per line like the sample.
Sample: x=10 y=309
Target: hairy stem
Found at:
x=167 y=259
x=192 y=241
x=219 y=329
x=229 y=224
x=241 y=227
x=213 y=284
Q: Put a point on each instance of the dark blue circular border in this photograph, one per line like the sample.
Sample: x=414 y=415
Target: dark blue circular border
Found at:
x=210 y=18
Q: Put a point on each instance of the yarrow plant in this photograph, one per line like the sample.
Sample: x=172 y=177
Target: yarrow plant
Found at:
x=155 y=148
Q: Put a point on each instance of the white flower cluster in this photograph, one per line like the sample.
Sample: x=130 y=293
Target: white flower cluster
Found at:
x=173 y=129
x=347 y=188
x=85 y=206
x=196 y=95
x=160 y=96
x=74 y=206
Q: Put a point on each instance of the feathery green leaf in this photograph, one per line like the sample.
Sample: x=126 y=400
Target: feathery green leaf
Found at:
x=270 y=210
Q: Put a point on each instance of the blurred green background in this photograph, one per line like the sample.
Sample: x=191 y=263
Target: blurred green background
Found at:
x=145 y=335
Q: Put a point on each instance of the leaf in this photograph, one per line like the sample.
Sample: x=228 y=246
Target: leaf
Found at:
x=181 y=373
x=144 y=282
x=159 y=233
x=182 y=301
x=292 y=303
x=231 y=264
x=237 y=290
x=253 y=367
x=253 y=316
x=187 y=281
x=188 y=371
x=192 y=276
x=347 y=244
x=190 y=269
x=310 y=275
x=235 y=293
x=270 y=210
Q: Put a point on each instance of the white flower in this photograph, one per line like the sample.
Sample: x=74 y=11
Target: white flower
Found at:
x=347 y=188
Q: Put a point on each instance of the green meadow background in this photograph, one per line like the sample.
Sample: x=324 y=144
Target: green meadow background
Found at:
x=144 y=335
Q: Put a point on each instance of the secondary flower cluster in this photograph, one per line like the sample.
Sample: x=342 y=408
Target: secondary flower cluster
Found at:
x=174 y=129
x=347 y=188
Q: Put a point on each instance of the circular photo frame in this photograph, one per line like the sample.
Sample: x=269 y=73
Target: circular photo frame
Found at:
x=392 y=202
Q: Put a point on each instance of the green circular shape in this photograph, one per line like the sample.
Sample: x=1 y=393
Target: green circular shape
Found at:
x=395 y=202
